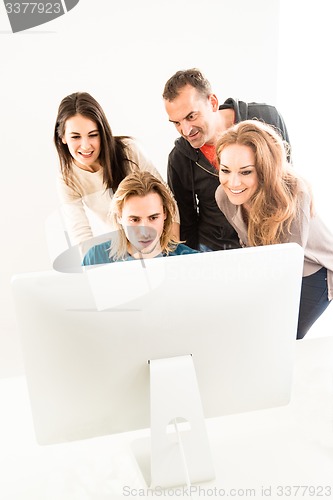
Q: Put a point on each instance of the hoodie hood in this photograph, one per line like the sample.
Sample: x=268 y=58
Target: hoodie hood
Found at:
x=185 y=148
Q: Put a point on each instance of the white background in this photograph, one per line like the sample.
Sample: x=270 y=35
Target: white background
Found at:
x=123 y=53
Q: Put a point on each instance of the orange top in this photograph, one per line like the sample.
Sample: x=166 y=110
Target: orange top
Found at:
x=210 y=153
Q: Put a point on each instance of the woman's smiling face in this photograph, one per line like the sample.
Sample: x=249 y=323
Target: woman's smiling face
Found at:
x=238 y=173
x=83 y=141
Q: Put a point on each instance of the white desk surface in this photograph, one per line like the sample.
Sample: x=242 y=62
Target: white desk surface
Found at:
x=256 y=455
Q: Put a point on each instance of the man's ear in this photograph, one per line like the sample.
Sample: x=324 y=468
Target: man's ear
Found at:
x=214 y=102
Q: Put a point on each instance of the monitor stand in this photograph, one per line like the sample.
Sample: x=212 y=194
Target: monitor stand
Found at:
x=178 y=445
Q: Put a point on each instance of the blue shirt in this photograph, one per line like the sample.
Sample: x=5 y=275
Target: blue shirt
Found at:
x=99 y=254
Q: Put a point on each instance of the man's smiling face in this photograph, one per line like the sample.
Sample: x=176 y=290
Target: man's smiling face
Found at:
x=194 y=116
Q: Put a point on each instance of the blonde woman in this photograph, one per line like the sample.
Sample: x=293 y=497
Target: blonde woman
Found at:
x=268 y=203
x=142 y=212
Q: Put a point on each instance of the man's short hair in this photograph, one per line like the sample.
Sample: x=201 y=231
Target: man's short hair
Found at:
x=181 y=78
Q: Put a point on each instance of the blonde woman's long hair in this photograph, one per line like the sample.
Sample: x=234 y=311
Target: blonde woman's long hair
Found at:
x=275 y=204
x=141 y=183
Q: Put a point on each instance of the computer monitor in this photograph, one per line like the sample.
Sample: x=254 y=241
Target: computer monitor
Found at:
x=87 y=338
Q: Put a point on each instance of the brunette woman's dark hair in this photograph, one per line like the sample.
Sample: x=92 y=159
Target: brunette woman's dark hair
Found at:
x=112 y=157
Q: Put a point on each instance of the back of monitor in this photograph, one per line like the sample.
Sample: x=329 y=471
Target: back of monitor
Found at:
x=86 y=350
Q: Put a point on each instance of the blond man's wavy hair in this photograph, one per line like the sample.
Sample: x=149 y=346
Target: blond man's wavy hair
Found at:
x=141 y=183
x=275 y=204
